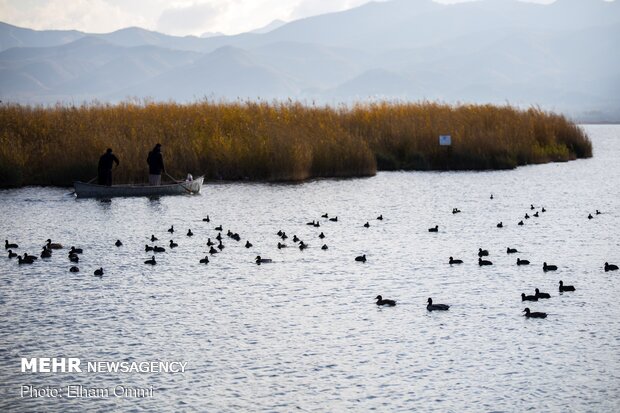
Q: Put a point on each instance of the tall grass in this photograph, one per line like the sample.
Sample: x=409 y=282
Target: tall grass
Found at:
x=275 y=141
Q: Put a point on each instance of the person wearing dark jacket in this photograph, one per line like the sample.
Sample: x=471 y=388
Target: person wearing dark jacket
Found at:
x=156 y=165
x=104 y=170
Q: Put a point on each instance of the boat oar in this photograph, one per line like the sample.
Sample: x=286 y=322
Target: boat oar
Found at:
x=178 y=182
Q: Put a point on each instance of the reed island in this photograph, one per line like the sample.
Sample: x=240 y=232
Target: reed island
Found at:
x=276 y=141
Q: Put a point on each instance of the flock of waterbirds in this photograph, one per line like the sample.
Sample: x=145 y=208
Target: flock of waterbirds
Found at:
x=216 y=247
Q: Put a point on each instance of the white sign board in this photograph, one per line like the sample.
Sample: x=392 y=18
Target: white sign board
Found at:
x=445 y=140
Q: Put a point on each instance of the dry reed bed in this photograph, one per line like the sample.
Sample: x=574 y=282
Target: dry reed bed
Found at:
x=275 y=141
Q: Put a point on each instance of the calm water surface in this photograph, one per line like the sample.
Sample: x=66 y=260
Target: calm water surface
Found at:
x=303 y=333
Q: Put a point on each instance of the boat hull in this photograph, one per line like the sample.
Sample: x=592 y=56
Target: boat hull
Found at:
x=86 y=190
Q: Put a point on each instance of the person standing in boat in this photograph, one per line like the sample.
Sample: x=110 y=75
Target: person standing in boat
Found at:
x=104 y=170
x=156 y=165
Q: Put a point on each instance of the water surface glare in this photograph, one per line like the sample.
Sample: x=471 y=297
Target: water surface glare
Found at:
x=303 y=333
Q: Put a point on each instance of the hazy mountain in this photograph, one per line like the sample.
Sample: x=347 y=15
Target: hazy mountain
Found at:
x=12 y=36
x=84 y=69
x=226 y=72
x=560 y=56
x=211 y=34
x=271 y=26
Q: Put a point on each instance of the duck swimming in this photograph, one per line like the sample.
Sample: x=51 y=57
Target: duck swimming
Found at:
x=259 y=260
x=12 y=254
x=380 y=217
x=529 y=314
x=280 y=245
x=205 y=260
x=74 y=269
x=511 y=250
x=325 y=215
x=151 y=261
x=566 y=287
x=46 y=253
x=218 y=228
x=610 y=267
x=25 y=260
x=321 y=235
x=366 y=225
x=528 y=297
x=361 y=258
x=542 y=295
x=335 y=219
x=483 y=253
x=74 y=250
x=500 y=225
x=324 y=247
x=435 y=229
x=453 y=261
x=303 y=245
x=482 y=262
x=190 y=233
x=173 y=244
x=154 y=238
x=158 y=249
x=549 y=267
x=522 y=262
x=213 y=251
x=248 y=244
x=171 y=229
x=118 y=243
x=98 y=272
x=520 y=223
x=436 y=307
x=74 y=258
x=382 y=302
x=53 y=245
x=148 y=248
x=7 y=245
x=207 y=219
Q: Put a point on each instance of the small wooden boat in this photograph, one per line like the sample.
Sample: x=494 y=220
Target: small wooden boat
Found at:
x=87 y=190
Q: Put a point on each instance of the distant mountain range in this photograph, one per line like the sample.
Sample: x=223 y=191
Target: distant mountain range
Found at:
x=563 y=57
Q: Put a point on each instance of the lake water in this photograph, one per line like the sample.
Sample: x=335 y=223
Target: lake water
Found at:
x=303 y=333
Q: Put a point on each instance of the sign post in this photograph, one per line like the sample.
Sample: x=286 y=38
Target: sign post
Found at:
x=446 y=141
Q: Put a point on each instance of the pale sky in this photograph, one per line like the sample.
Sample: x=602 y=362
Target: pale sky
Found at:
x=176 y=17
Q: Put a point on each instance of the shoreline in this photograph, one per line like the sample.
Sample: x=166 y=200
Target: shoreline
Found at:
x=304 y=181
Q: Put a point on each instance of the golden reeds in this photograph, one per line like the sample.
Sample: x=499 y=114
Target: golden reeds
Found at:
x=275 y=141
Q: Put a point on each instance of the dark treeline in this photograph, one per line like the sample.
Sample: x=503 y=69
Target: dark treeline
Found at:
x=276 y=141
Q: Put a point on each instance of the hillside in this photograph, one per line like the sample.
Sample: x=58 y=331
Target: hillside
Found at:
x=559 y=56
